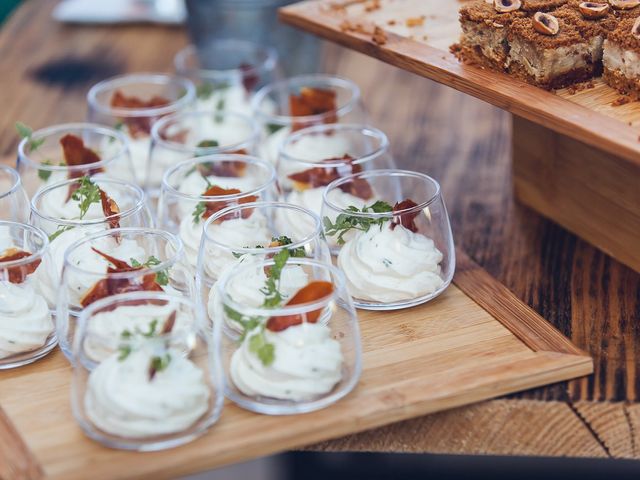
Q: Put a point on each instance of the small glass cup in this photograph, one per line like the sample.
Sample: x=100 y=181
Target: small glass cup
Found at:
x=151 y=96
x=183 y=206
x=187 y=135
x=310 y=159
x=26 y=326
x=46 y=164
x=152 y=385
x=227 y=72
x=272 y=107
x=250 y=233
x=158 y=255
x=292 y=358
x=61 y=222
x=14 y=203
x=396 y=251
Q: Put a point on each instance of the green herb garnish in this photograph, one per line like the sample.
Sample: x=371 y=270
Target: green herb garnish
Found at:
x=86 y=194
x=208 y=144
x=273 y=297
x=26 y=132
x=204 y=91
x=162 y=277
x=273 y=128
x=45 y=174
x=61 y=229
x=264 y=350
x=345 y=222
x=158 y=364
x=125 y=351
x=198 y=211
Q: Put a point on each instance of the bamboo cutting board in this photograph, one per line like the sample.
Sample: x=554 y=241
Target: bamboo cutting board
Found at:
x=418 y=36
x=477 y=341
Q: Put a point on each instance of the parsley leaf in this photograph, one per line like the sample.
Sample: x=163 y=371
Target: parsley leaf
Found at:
x=45 y=174
x=86 y=194
x=124 y=352
x=273 y=128
x=208 y=144
x=345 y=222
x=61 y=229
x=27 y=132
x=259 y=346
x=198 y=211
x=283 y=240
x=162 y=277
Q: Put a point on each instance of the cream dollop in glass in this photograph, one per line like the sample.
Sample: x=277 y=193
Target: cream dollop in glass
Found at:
x=66 y=220
x=396 y=251
x=186 y=135
x=311 y=158
x=227 y=72
x=132 y=103
x=72 y=150
x=14 y=203
x=156 y=386
x=249 y=233
x=26 y=324
x=294 y=355
x=303 y=101
x=194 y=190
x=117 y=261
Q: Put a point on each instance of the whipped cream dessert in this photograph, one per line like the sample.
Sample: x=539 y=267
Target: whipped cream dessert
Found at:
x=307 y=363
x=58 y=204
x=25 y=320
x=122 y=399
x=233 y=97
x=105 y=330
x=390 y=264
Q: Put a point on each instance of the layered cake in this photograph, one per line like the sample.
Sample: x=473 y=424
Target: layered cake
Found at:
x=622 y=58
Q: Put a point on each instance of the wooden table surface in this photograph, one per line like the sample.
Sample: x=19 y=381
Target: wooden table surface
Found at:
x=46 y=70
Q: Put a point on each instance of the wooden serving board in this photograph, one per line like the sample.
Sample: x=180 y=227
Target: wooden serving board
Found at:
x=576 y=155
x=475 y=342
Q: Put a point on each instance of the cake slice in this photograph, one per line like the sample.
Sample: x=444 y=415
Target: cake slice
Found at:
x=622 y=58
x=550 y=51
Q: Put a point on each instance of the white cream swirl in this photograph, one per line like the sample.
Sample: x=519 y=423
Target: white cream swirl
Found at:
x=25 y=320
x=307 y=363
x=390 y=265
x=121 y=400
x=105 y=329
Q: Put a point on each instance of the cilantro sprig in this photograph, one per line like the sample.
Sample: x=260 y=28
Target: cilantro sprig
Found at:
x=86 y=194
x=27 y=132
x=345 y=222
x=162 y=277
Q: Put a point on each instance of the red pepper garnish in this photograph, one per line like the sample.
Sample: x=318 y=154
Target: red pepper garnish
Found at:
x=110 y=209
x=312 y=101
x=310 y=293
x=212 y=207
x=249 y=77
x=18 y=274
x=113 y=286
x=138 y=126
x=76 y=154
x=407 y=220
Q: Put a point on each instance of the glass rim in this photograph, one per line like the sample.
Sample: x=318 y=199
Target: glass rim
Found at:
x=140 y=203
x=304 y=80
x=268 y=64
x=38 y=254
x=366 y=130
x=377 y=173
x=88 y=312
x=202 y=151
x=17 y=181
x=266 y=250
x=249 y=159
x=63 y=127
x=337 y=277
x=120 y=81
x=163 y=265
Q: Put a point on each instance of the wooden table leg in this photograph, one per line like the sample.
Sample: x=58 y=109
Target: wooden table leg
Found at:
x=591 y=193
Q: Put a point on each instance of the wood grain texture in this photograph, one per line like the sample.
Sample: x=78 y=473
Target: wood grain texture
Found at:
x=16 y=460
x=459 y=140
x=573 y=119
x=438 y=356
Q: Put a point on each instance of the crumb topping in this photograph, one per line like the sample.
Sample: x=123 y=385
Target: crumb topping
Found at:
x=623 y=37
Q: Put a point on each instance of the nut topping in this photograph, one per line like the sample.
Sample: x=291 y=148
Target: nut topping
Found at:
x=624 y=4
x=504 y=6
x=593 y=10
x=635 y=31
x=545 y=24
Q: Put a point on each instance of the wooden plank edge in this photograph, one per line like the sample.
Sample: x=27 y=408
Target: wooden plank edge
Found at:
x=533 y=330
x=17 y=462
x=577 y=122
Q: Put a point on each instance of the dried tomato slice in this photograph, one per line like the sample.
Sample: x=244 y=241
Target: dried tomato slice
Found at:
x=110 y=209
x=249 y=77
x=76 y=154
x=232 y=168
x=18 y=274
x=107 y=287
x=312 y=101
x=407 y=220
x=310 y=293
x=138 y=126
x=212 y=206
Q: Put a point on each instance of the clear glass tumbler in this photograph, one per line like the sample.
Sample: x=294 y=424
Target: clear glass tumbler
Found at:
x=14 y=203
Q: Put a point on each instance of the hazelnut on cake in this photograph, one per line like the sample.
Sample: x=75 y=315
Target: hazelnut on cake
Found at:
x=550 y=51
x=622 y=58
